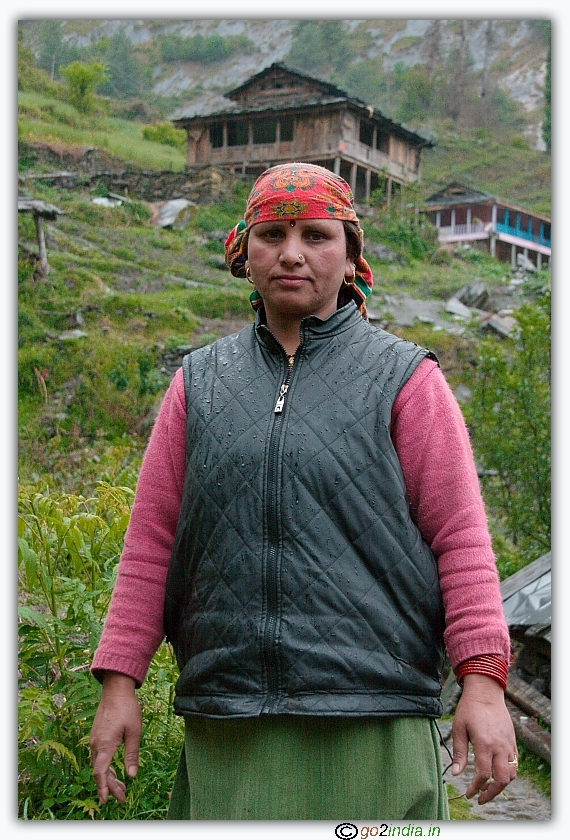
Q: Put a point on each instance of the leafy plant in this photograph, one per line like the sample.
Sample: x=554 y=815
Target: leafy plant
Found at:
x=82 y=82
x=203 y=48
x=68 y=548
x=402 y=228
x=509 y=416
x=165 y=133
x=320 y=45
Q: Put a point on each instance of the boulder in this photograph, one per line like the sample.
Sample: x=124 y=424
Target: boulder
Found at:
x=455 y=307
x=474 y=295
x=381 y=252
x=524 y=263
x=175 y=214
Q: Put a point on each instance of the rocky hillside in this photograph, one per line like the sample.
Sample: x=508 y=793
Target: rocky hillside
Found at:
x=510 y=54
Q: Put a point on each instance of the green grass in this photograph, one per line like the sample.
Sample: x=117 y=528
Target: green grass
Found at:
x=128 y=280
x=501 y=165
x=535 y=769
x=140 y=288
x=45 y=119
x=459 y=806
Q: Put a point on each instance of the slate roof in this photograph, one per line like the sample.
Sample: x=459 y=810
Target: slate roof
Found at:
x=457 y=194
x=325 y=94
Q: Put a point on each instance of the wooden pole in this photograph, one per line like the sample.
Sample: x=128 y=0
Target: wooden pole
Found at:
x=42 y=244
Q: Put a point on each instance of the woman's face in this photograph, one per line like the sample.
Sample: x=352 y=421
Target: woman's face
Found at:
x=298 y=268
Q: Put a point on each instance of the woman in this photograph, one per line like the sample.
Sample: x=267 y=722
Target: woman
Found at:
x=308 y=532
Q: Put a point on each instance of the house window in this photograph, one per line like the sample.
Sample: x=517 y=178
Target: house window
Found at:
x=383 y=142
x=238 y=133
x=366 y=133
x=217 y=135
x=264 y=131
x=286 y=125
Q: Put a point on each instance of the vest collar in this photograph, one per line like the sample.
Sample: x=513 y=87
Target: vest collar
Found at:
x=312 y=328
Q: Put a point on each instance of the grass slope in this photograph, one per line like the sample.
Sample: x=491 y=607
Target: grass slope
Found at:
x=502 y=165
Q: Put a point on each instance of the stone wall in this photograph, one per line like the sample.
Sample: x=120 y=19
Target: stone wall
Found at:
x=83 y=168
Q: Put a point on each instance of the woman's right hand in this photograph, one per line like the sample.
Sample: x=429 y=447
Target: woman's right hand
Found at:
x=118 y=720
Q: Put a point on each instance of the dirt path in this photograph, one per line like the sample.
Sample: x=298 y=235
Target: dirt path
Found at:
x=523 y=801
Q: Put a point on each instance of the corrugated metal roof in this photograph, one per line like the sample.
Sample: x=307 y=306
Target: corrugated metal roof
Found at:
x=531 y=604
x=527 y=598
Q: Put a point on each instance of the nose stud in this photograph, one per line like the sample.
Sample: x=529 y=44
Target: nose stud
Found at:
x=301 y=258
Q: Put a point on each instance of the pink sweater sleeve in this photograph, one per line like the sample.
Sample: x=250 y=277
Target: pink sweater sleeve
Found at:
x=134 y=627
x=433 y=446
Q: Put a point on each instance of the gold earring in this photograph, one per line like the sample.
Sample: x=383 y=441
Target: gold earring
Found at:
x=351 y=281
x=248 y=275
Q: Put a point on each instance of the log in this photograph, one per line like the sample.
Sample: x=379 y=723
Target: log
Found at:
x=529 y=733
x=528 y=698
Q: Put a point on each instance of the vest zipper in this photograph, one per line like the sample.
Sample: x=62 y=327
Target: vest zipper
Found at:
x=273 y=533
x=285 y=387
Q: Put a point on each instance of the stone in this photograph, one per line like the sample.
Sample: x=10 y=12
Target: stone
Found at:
x=104 y=201
x=504 y=325
x=526 y=264
x=463 y=393
x=76 y=319
x=455 y=307
x=474 y=295
x=175 y=214
x=381 y=252
x=72 y=335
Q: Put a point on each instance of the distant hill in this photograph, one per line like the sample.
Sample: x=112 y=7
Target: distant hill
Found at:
x=508 y=56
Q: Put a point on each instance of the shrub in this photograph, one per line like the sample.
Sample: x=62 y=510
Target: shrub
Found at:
x=166 y=134
x=68 y=548
x=203 y=48
x=82 y=82
x=407 y=232
x=509 y=416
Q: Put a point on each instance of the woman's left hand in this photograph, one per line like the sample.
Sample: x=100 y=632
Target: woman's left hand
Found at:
x=482 y=718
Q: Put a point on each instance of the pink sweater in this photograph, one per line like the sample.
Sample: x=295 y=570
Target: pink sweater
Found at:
x=432 y=443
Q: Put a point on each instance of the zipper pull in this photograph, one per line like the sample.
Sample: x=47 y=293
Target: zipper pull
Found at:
x=285 y=387
x=281 y=399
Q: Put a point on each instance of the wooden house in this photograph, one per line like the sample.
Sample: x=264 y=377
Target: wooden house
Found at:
x=464 y=215
x=280 y=115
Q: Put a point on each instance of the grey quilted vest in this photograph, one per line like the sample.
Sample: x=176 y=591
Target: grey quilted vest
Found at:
x=299 y=583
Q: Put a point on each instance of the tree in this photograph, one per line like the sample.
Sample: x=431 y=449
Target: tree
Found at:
x=124 y=70
x=26 y=65
x=320 y=46
x=547 y=124
x=367 y=81
x=415 y=92
x=82 y=82
x=431 y=48
x=509 y=417
x=54 y=51
x=461 y=70
x=486 y=66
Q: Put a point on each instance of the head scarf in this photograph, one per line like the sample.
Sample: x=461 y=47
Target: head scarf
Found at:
x=299 y=191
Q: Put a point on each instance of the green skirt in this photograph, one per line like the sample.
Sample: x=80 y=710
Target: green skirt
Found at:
x=310 y=768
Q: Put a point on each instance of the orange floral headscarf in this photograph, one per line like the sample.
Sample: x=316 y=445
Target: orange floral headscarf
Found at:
x=299 y=191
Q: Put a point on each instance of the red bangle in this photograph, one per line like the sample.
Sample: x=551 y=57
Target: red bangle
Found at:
x=489 y=665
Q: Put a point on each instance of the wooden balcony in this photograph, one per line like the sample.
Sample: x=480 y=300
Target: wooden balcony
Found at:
x=504 y=233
